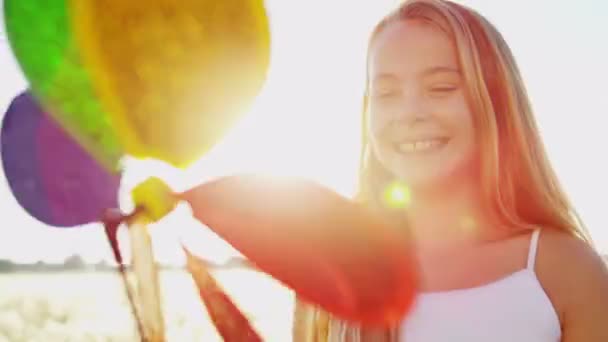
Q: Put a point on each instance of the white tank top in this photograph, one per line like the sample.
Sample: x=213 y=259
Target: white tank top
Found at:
x=513 y=308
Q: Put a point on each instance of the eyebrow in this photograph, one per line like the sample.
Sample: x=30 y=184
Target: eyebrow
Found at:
x=440 y=69
x=389 y=77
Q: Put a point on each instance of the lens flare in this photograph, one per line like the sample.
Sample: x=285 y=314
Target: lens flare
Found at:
x=397 y=196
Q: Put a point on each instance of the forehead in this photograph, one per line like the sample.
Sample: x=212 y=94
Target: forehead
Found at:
x=411 y=47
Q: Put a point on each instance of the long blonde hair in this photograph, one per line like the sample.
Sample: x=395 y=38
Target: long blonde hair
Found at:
x=519 y=185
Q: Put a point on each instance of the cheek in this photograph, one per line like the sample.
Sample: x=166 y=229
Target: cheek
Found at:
x=374 y=130
x=376 y=127
x=459 y=118
x=467 y=127
x=462 y=122
x=376 y=124
x=464 y=135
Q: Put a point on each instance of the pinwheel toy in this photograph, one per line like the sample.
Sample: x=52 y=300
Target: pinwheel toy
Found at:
x=166 y=80
x=54 y=179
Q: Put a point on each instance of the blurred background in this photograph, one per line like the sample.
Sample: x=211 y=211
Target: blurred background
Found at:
x=306 y=123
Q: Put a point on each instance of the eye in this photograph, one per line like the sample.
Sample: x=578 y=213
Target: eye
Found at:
x=386 y=94
x=443 y=89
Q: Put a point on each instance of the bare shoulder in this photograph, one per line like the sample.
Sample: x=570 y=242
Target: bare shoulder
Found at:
x=575 y=278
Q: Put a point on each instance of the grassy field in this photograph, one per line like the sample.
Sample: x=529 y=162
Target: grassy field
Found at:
x=91 y=306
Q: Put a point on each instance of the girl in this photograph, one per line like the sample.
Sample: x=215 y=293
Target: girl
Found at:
x=502 y=253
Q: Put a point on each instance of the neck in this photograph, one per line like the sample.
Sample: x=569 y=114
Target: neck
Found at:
x=448 y=217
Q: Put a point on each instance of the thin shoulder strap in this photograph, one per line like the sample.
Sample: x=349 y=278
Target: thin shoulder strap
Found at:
x=532 y=249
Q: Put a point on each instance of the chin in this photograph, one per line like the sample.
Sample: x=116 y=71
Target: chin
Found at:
x=438 y=171
x=424 y=181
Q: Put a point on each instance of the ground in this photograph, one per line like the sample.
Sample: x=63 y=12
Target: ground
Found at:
x=91 y=306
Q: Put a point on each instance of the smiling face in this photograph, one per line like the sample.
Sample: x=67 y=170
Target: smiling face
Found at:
x=421 y=126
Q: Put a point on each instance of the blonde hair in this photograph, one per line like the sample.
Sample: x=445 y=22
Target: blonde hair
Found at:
x=519 y=185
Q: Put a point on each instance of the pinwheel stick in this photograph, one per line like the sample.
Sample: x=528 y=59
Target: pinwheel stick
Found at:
x=112 y=221
x=146 y=306
x=146 y=273
x=230 y=322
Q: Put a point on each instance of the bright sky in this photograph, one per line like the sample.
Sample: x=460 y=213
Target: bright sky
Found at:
x=305 y=121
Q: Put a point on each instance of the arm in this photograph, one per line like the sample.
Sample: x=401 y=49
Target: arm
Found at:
x=576 y=278
x=586 y=311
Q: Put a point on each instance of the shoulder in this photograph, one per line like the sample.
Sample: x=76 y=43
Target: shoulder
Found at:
x=572 y=261
x=575 y=278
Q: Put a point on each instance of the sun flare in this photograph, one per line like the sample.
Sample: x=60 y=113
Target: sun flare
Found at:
x=304 y=123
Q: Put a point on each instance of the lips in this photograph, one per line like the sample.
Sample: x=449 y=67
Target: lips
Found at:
x=420 y=145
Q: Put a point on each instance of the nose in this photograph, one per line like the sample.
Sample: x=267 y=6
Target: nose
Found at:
x=412 y=107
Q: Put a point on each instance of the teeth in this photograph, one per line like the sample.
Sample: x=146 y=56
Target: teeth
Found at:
x=422 y=145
